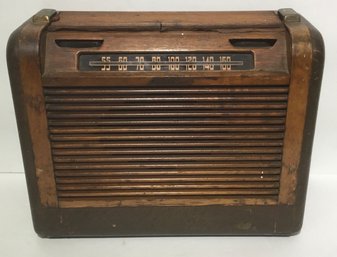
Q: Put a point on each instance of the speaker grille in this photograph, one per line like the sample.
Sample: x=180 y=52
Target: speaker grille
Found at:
x=151 y=143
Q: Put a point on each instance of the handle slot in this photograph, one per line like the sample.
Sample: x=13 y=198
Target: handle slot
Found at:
x=78 y=43
x=252 y=42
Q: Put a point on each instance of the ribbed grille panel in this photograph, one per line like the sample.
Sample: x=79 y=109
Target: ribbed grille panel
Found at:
x=174 y=142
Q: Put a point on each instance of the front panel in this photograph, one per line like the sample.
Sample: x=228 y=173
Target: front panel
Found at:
x=167 y=142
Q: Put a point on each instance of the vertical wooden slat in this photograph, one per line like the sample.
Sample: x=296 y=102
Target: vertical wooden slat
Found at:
x=301 y=55
x=33 y=98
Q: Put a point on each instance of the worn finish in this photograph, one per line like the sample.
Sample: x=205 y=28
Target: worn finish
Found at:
x=181 y=139
x=82 y=21
x=188 y=150
x=299 y=87
x=24 y=61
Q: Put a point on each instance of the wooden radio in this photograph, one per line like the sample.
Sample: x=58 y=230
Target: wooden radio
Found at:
x=155 y=124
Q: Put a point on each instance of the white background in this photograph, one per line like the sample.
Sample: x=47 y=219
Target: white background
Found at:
x=317 y=238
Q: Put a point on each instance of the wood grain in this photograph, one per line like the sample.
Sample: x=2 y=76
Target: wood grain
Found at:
x=192 y=151
x=161 y=21
x=230 y=136
x=301 y=51
x=168 y=96
x=34 y=108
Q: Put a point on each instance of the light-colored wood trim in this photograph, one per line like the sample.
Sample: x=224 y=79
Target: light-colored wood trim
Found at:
x=167 y=202
x=37 y=120
x=301 y=54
